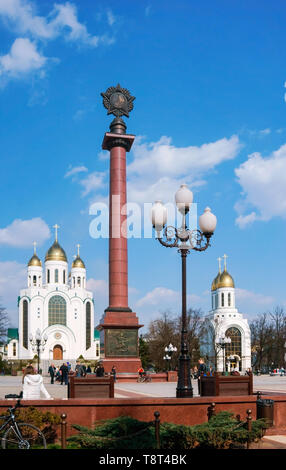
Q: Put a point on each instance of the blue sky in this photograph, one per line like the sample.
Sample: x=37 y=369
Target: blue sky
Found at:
x=210 y=111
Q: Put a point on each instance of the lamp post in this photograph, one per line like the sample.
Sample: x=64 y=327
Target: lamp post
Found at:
x=222 y=342
x=169 y=350
x=184 y=240
x=167 y=359
x=38 y=343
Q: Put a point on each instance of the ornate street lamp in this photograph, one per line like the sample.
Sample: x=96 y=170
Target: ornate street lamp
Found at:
x=167 y=359
x=184 y=240
x=169 y=350
x=221 y=344
x=38 y=343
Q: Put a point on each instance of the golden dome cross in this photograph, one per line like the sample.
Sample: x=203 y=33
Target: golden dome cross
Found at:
x=219 y=264
x=225 y=256
x=78 y=247
x=35 y=245
x=56 y=227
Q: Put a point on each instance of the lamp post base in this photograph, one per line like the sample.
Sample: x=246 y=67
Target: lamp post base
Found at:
x=184 y=387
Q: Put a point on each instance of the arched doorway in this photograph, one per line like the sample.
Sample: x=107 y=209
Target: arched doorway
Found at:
x=233 y=349
x=58 y=353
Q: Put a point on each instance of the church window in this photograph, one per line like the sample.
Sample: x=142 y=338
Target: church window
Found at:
x=64 y=277
x=74 y=281
x=56 y=275
x=57 y=311
x=97 y=349
x=222 y=300
x=48 y=276
x=78 y=281
x=25 y=324
x=216 y=301
x=14 y=349
x=88 y=325
x=233 y=348
x=35 y=280
x=229 y=299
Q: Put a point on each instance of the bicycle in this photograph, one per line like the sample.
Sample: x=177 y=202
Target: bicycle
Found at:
x=20 y=435
x=144 y=378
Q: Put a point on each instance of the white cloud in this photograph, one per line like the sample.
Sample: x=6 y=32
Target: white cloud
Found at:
x=62 y=21
x=75 y=170
x=258 y=299
x=98 y=286
x=158 y=168
x=22 y=233
x=110 y=18
x=164 y=297
x=265 y=131
x=22 y=59
x=93 y=182
x=263 y=181
x=13 y=277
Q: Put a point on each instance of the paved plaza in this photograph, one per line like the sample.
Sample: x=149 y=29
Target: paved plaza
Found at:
x=263 y=383
x=266 y=384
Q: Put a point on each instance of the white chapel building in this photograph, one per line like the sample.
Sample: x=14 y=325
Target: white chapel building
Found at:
x=58 y=304
x=225 y=320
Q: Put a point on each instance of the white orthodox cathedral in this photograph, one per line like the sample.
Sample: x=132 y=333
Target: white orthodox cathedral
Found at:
x=56 y=303
x=225 y=321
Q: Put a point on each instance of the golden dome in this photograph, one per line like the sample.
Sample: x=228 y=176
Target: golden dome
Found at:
x=78 y=263
x=35 y=261
x=215 y=282
x=56 y=253
x=225 y=280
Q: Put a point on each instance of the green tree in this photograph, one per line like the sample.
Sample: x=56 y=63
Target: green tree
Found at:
x=144 y=352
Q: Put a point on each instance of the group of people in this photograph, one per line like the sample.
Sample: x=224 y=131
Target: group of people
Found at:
x=81 y=370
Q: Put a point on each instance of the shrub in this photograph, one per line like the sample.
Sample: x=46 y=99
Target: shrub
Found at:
x=117 y=433
x=223 y=431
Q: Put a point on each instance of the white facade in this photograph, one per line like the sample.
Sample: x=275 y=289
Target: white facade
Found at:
x=225 y=320
x=59 y=305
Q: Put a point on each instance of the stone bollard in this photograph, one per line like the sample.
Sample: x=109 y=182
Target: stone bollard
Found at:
x=64 y=431
x=157 y=428
x=211 y=411
x=249 y=424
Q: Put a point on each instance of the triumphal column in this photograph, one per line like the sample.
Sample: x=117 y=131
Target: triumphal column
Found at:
x=119 y=325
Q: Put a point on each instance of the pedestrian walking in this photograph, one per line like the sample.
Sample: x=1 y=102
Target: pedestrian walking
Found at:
x=52 y=371
x=64 y=374
x=202 y=368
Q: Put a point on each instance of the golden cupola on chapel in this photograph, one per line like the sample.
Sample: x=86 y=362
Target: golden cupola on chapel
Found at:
x=77 y=262
x=35 y=260
x=56 y=252
x=223 y=279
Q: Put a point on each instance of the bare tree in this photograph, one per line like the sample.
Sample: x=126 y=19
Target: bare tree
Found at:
x=278 y=327
x=161 y=332
x=261 y=341
x=208 y=340
x=3 y=323
x=166 y=330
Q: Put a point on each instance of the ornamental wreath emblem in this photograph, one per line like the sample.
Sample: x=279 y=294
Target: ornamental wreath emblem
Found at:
x=118 y=101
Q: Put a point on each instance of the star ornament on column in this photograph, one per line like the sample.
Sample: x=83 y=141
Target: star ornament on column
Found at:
x=118 y=101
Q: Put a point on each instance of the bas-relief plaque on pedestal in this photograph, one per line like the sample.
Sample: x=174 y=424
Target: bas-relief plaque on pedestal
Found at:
x=121 y=342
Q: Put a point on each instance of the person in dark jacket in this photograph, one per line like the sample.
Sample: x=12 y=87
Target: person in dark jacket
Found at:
x=52 y=371
x=113 y=372
x=64 y=374
x=100 y=370
x=201 y=371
